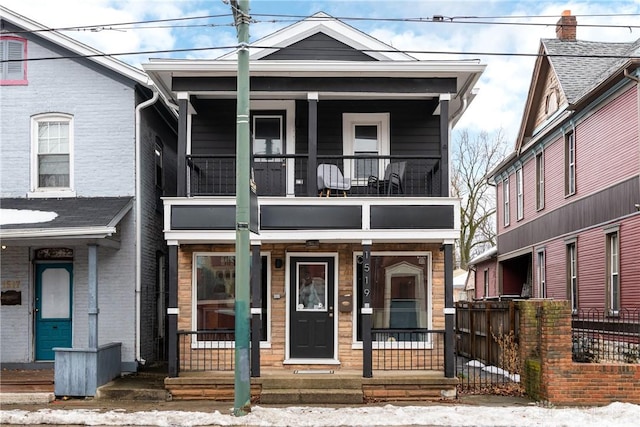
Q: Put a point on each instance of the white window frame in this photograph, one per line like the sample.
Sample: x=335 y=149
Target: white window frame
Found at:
x=505 y=201
x=520 y=195
x=6 y=55
x=541 y=273
x=35 y=190
x=613 y=272
x=570 y=163
x=428 y=344
x=195 y=344
x=572 y=273
x=485 y=278
x=349 y=122
x=540 y=181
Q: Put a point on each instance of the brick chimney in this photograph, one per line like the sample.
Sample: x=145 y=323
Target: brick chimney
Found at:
x=566 y=26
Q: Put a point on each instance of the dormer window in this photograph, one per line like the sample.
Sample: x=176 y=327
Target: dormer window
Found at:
x=13 y=68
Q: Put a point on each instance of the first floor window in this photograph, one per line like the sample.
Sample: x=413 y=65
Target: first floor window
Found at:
x=215 y=291
x=572 y=275
x=541 y=275
x=613 y=275
x=52 y=149
x=400 y=295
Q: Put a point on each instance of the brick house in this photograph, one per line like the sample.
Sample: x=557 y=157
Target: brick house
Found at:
x=334 y=113
x=87 y=151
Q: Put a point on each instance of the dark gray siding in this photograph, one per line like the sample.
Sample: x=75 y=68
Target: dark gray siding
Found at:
x=607 y=205
x=213 y=129
x=319 y=47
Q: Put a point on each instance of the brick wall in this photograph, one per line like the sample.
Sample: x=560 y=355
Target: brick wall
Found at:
x=550 y=375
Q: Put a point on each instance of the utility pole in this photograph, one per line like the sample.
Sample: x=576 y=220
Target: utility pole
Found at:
x=242 y=388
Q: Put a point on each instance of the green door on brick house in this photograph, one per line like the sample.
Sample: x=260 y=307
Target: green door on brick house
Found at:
x=53 y=308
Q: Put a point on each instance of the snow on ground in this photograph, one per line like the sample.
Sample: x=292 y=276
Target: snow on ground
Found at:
x=615 y=414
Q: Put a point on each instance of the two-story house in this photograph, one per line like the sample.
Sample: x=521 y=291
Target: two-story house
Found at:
x=355 y=224
x=568 y=196
x=87 y=152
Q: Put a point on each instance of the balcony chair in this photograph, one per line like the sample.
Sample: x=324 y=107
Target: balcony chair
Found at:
x=393 y=180
x=330 y=178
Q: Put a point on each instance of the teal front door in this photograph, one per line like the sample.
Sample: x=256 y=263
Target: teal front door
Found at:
x=54 y=285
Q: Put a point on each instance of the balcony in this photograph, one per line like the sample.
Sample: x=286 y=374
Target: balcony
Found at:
x=289 y=175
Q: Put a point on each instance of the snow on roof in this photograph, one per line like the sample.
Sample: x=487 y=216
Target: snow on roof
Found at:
x=25 y=216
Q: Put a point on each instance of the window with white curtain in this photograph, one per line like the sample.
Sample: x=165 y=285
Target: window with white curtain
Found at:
x=52 y=153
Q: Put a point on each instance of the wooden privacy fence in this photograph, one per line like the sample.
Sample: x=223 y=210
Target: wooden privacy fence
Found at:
x=479 y=323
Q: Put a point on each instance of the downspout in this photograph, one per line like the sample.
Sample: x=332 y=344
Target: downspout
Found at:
x=138 y=207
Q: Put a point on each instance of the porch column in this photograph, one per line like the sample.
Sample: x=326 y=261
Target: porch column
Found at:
x=93 y=295
x=312 y=162
x=444 y=144
x=256 y=308
x=172 y=310
x=366 y=311
x=183 y=114
x=449 y=313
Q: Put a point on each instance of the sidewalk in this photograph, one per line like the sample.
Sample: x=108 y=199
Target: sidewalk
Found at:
x=144 y=391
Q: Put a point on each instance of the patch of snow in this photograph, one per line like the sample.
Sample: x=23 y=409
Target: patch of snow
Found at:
x=475 y=364
x=615 y=414
x=25 y=216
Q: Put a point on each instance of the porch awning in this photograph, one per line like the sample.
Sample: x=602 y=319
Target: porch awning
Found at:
x=23 y=220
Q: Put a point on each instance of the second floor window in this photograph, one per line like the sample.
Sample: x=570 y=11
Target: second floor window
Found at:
x=505 y=203
x=540 y=181
x=520 y=190
x=486 y=282
x=52 y=152
x=572 y=275
x=569 y=164
x=13 y=68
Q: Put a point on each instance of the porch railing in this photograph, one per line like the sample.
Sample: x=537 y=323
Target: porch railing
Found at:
x=407 y=349
x=283 y=174
x=206 y=350
x=600 y=336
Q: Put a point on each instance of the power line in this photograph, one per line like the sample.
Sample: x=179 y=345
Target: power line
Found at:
x=284 y=18
x=412 y=52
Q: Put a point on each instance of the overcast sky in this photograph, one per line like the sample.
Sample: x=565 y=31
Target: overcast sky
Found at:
x=477 y=27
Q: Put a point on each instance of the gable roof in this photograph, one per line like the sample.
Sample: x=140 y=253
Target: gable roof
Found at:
x=323 y=23
x=75 y=46
x=581 y=68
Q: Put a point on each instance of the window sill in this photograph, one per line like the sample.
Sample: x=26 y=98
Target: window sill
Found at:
x=45 y=194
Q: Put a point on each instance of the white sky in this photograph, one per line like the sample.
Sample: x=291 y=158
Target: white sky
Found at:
x=616 y=414
x=25 y=216
x=503 y=87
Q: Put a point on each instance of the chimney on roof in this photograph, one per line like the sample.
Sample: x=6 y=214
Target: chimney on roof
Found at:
x=566 y=26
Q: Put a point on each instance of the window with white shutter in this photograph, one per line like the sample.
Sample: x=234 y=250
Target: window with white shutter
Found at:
x=13 y=68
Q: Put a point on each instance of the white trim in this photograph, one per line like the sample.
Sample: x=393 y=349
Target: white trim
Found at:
x=173 y=310
x=289 y=294
x=326 y=24
x=289 y=128
x=349 y=122
x=60 y=233
x=34 y=190
x=429 y=295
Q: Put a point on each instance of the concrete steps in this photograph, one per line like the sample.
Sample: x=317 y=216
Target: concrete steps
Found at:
x=312 y=389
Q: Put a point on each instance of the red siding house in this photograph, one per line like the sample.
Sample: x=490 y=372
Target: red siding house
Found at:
x=569 y=195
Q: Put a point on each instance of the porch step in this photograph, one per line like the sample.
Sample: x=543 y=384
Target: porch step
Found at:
x=314 y=395
x=314 y=388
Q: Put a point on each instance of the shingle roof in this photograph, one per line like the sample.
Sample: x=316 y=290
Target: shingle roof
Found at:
x=72 y=213
x=580 y=72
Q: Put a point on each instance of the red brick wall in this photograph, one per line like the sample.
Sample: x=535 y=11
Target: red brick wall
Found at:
x=550 y=375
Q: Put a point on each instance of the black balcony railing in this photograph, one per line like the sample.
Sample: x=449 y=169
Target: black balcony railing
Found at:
x=279 y=175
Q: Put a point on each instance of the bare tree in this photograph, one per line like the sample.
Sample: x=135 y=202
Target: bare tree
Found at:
x=472 y=159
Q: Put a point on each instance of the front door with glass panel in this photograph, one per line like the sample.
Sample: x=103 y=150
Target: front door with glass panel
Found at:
x=54 y=285
x=268 y=141
x=311 y=305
